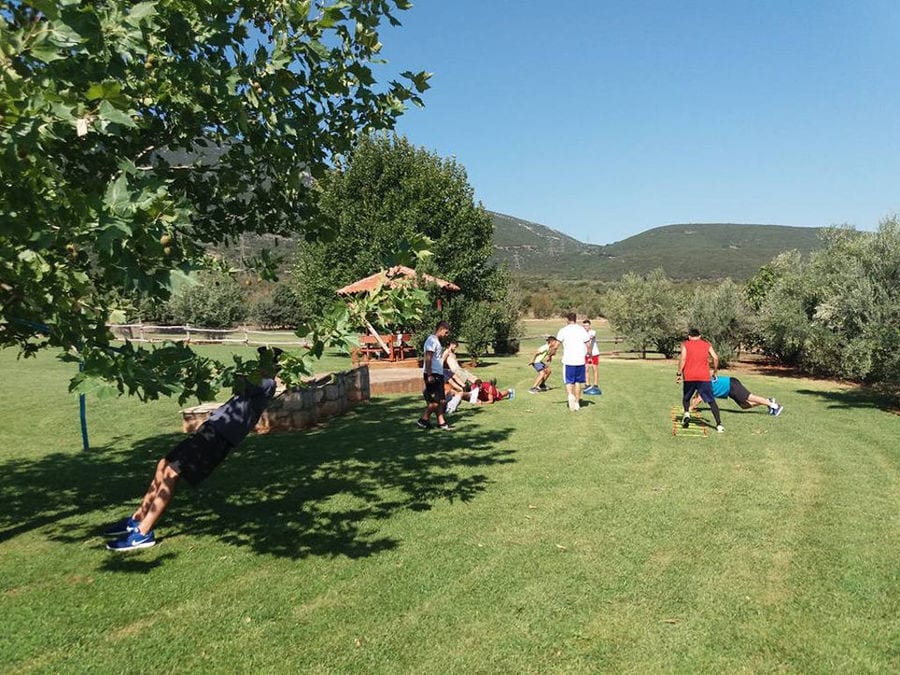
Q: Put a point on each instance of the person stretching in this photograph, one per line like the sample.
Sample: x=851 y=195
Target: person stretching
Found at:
x=195 y=458
x=733 y=388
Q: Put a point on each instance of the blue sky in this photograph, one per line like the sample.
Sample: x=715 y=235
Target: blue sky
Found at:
x=604 y=119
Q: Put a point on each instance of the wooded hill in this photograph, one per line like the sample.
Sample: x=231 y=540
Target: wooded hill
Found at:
x=687 y=251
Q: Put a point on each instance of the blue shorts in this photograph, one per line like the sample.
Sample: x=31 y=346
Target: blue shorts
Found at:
x=539 y=366
x=574 y=375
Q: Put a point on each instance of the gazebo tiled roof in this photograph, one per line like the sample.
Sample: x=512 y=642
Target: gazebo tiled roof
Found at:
x=372 y=281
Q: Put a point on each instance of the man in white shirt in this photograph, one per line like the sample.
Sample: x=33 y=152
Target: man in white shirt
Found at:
x=592 y=360
x=433 y=374
x=574 y=339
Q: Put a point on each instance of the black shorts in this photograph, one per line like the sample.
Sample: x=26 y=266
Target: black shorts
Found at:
x=434 y=390
x=739 y=393
x=198 y=454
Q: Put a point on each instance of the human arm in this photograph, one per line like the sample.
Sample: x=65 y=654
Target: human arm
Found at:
x=429 y=355
x=715 y=358
x=681 y=360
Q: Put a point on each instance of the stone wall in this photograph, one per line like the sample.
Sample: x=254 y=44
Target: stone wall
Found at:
x=320 y=399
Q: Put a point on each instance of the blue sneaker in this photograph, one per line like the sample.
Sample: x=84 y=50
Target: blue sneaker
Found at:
x=776 y=411
x=132 y=542
x=121 y=528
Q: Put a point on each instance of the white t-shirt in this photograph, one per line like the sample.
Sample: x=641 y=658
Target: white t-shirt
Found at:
x=573 y=338
x=595 y=350
x=432 y=344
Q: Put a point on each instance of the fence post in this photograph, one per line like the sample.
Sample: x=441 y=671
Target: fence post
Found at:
x=187 y=330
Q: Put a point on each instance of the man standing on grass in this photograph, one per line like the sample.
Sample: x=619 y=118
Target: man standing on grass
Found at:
x=693 y=366
x=541 y=364
x=574 y=339
x=433 y=374
x=196 y=456
x=592 y=360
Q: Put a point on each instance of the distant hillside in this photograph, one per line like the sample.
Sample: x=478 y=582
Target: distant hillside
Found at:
x=691 y=251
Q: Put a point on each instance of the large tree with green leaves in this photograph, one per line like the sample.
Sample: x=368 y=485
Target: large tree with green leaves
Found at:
x=837 y=313
x=647 y=310
x=390 y=192
x=132 y=135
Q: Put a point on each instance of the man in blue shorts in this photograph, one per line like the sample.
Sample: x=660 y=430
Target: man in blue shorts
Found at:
x=196 y=456
x=574 y=339
x=733 y=388
x=541 y=364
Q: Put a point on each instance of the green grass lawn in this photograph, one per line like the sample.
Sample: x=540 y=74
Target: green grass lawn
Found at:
x=531 y=539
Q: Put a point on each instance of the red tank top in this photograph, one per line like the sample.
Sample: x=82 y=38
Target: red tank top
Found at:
x=696 y=362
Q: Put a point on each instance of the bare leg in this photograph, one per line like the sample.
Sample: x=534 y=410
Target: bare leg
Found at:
x=695 y=401
x=157 y=497
x=573 y=393
x=753 y=400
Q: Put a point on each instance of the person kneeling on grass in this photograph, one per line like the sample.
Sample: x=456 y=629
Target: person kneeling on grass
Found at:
x=733 y=388
x=196 y=456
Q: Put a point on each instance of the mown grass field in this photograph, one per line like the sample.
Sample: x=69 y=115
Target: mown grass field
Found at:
x=531 y=539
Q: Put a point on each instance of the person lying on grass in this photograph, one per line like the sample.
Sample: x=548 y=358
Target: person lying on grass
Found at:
x=196 y=456
x=488 y=392
x=733 y=388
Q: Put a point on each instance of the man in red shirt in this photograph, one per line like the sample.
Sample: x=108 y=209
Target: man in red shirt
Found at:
x=693 y=366
x=488 y=392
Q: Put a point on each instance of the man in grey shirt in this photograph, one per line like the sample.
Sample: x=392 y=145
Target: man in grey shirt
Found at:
x=196 y=456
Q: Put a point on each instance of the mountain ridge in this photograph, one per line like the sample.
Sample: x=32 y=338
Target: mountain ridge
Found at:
x=735 y=250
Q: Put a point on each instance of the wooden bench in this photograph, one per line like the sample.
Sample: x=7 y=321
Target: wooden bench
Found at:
x=370 y=347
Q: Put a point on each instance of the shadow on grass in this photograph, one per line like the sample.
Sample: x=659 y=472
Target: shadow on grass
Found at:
x=320 y=492
x=858 y=397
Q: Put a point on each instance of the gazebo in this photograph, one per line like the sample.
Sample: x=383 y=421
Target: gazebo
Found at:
x=394 y=347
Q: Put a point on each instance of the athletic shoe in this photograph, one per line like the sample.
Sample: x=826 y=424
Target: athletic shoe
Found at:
x=121 y=528
x=772 y=402
x=720 y=428
x=422 y=424
x=534 y=390
x=543 y=387
x=776 y=411
x=445 y=427
x=512 y=394
x=593 y=391
x=685 y=420
x=132 y=542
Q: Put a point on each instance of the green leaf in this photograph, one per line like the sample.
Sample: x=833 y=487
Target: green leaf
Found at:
x=112 y=114
x=141 y=11
x=117 y=194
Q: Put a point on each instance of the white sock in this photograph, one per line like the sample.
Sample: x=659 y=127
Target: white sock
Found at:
x=454 y=403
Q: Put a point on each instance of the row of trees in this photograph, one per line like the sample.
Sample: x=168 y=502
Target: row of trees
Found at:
x=384 y=196
x=834 y=313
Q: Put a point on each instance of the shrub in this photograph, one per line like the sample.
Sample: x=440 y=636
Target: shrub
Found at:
x=215 y=301
x=280 y=309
